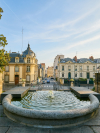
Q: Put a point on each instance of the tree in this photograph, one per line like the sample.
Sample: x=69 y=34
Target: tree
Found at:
x=4 y=56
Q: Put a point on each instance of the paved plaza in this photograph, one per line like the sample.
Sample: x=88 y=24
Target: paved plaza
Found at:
x=8 y=126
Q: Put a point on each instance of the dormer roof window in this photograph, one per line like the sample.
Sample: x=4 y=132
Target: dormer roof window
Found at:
x=16 y=60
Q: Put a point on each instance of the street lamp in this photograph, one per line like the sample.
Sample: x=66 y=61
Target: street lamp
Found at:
x=97 y=77
x=98 y=68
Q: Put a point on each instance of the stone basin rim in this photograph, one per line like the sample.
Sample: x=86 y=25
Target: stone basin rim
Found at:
x=50 y=114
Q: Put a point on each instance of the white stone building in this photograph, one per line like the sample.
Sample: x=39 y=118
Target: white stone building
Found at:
x=55 y=65
x=77 y=68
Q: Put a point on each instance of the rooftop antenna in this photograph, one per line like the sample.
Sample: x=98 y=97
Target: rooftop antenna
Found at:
x=22 y=39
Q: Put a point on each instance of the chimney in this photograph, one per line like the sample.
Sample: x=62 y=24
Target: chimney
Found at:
x=91 y=58
x=75 y=58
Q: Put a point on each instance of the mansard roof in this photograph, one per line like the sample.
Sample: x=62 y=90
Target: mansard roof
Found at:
x=28 y=51
x=66 y=60
x=81 y=60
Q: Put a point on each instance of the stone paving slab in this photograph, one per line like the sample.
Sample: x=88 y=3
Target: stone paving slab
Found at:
x=4 y=129
x=83 y=129
x=84 y=92
x=96 y=129
x=16 y=92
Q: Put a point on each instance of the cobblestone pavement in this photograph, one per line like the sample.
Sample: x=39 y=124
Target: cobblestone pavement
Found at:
x=8 y=126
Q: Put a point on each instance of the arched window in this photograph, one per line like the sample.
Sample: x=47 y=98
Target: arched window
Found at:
x=28 y=60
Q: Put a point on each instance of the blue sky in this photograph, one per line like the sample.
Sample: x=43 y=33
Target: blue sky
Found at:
x=52 y=27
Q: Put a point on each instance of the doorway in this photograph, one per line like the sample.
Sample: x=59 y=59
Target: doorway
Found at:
x=16 y=79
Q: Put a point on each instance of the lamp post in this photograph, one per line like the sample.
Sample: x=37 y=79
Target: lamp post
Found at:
x=97 y=76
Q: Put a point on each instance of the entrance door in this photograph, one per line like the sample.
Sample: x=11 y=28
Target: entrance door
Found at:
x=16 y=79
x=88 y=75
x=69 y=75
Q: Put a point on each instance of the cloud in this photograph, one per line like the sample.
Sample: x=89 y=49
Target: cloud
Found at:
x=66 y=47
x=90 y=30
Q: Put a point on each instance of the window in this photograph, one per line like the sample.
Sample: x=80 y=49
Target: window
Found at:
x=80 y=67
x=93 y=68
x=28 y=60
x=27 y=78
x=6 y=78
x=62 y=68
x=75 y=74
x=87 y=68
x=16 y=69
x=75 y=68
x=62 y=74
x=69 y=68
x=28 y=68
x=16 y=60
x=7 y=68
x=93 y=75
x=80 y=74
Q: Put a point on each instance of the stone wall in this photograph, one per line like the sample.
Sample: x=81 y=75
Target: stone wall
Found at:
x=97 y=82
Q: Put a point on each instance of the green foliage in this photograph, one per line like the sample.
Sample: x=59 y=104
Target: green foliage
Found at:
x=71 y=79
x=4 y=56
x=93 y=89
x=83 y=79
x=91 y=79
x=1 y=10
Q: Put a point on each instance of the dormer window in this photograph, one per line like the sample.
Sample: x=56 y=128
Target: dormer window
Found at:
x=28 y=60
x=16 y=60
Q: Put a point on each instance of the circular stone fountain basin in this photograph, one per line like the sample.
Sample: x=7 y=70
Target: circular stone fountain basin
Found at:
x=50 y=100
x=50 y=118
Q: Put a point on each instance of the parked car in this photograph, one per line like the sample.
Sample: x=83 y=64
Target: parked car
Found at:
x=45 y=78
x=48 y=81
x=43 y=82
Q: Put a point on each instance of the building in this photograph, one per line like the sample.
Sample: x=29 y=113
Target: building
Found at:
x=21 y=66
x=43 y=69
x=77 y=68
x=55 y=65
x=50 y=71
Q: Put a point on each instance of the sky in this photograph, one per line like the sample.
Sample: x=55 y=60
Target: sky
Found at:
x=52 y=27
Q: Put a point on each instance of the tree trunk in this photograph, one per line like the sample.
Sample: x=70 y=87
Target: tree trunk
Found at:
x=0 y=85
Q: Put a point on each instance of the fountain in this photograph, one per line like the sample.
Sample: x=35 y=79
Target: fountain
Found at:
x=50 y=109
x=51 y=95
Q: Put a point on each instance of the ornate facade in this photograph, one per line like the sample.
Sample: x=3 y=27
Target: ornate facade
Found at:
x=77 y=68
x=21 y=66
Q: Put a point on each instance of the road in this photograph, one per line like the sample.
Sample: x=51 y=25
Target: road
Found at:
x=48 y=86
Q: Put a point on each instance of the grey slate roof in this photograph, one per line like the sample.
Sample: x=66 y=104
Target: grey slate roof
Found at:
x=27 y=51
x=97 y=60
x=66 y=60
x=81 y=60
x=21 y=57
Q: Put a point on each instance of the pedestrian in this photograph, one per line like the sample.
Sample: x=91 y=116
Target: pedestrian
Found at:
x=31 y=84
